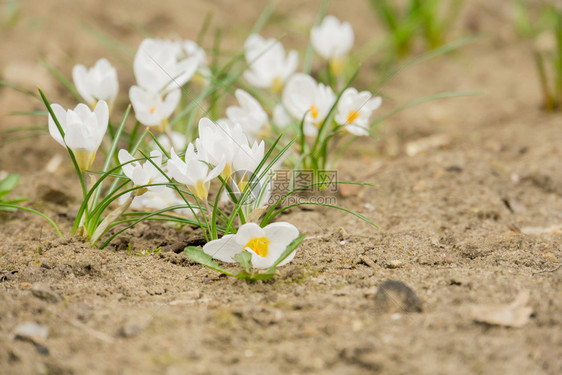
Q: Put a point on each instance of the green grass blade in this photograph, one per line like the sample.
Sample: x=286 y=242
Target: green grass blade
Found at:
x=62 y=79
x=18 y=88
x=17 y=207
x=290 y=249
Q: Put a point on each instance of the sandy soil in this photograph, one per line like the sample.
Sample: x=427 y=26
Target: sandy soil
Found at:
x=475 y=221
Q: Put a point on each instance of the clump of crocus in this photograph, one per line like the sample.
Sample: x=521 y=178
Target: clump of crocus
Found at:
x=82 y=130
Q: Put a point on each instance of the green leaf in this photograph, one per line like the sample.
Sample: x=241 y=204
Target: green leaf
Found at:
x=255 y=276
x=245 y=260
x=268 y=274
x=197 y=255
x=8 y=184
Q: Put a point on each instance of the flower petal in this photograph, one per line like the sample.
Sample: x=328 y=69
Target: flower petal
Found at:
x=247 y=232
x=80 y=78
x=260 y=262
x=223 y=249
x=60 y=114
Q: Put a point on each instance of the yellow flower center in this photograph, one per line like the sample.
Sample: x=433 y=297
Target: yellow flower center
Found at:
x=227 y=171
x=336 y=65
x=199 y=190
x=277 y=85
x=352 y=116
x=84 y=159
x=152 y=110
x=163 y=125
x=259 y=245
x=314 y=111
x=243 y=182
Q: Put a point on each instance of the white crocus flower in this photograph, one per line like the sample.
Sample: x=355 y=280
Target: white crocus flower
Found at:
x=248 y=158
x=178 y=141
x=83 y=130
x=220 y=140
x=194 y=172
x=161 y=65
x=143 y=174
x=97 y=83
x=269 y=65
x=192 y=49
x=332 y=40
x=354 y=110
x=250 y=114
x=153 y=108
x=280 y=116
x=304 y=97
x=265 y=244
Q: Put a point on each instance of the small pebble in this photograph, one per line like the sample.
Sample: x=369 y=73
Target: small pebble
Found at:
x=45 y=293
x=392 y=264
x=131 y=330
x=394 y=296
x=32 y=332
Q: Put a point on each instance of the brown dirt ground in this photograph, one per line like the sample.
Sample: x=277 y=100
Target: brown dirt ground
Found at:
x=463 y=224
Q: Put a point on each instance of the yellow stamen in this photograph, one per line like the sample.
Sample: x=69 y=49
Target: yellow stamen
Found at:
x=152 y=110
x=314 y=111
x=259 y=245
x=352 y=116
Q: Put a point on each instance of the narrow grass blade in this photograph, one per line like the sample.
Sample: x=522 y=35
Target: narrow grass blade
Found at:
x=62 y=79
x=35 y=212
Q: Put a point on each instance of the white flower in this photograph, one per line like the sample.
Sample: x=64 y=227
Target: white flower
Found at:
x=191 y=49
x=248 y=158
x=152 y=108
x=303 y=97
x=97 y=83
x=178 y=141
x=143 y=174
x=194 y=172
x=154 y=200
x=161 y=65
x=269 y=66
x=250 y=114
x=83 y=130
x=220 y=140
x=265 y=244
x=354 y=109
x=280 y=116
x=332 y=40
